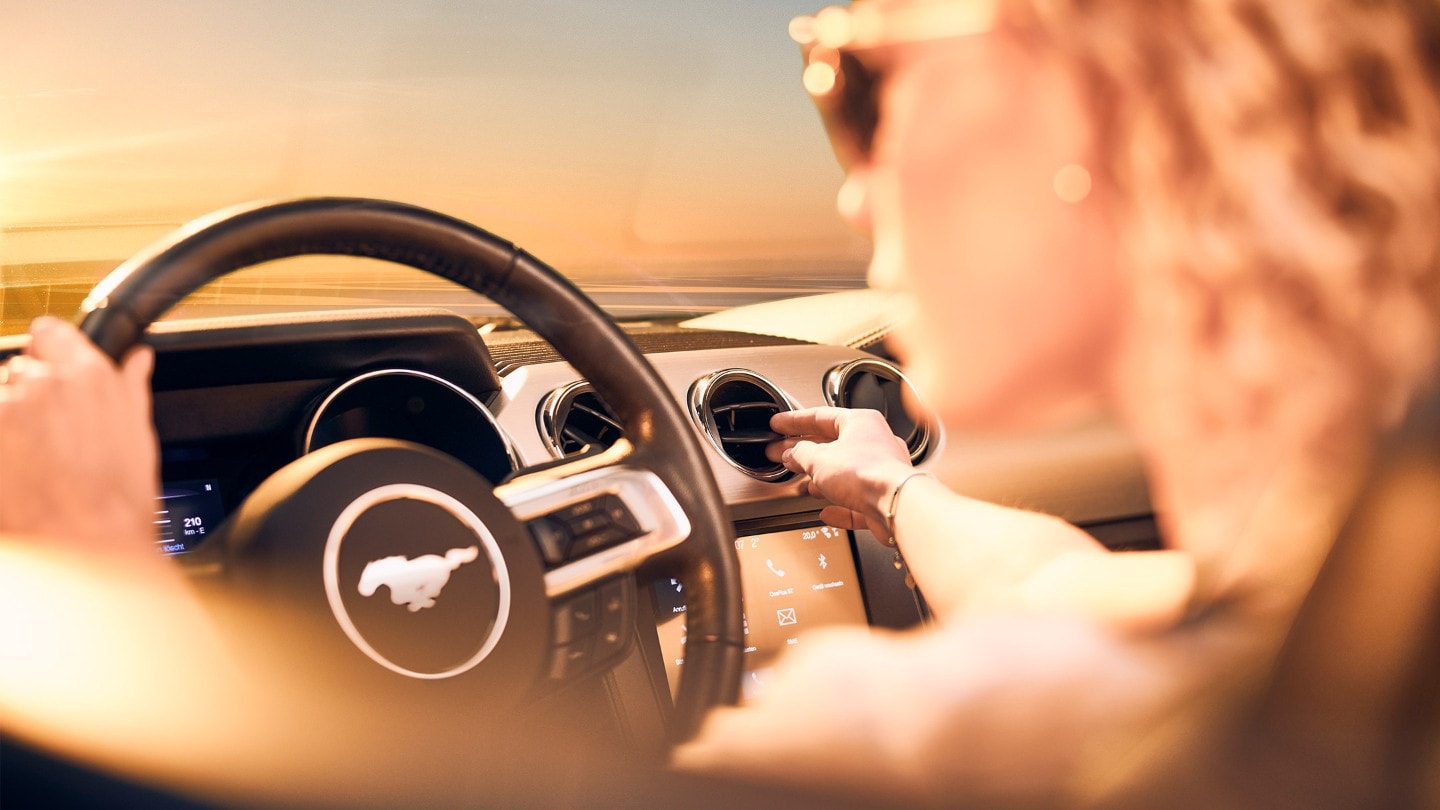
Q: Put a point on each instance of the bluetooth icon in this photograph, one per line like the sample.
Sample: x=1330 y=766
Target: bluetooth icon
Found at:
x=823 y=564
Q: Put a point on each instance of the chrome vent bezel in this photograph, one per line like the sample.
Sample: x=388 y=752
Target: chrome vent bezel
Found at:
x=552 y=416
x=838 y=379
x=704 y=390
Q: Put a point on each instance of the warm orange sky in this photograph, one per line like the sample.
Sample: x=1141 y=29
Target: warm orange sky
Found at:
x=596 y=135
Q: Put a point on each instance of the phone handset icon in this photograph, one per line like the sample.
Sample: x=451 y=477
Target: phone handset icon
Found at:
x=779 y=572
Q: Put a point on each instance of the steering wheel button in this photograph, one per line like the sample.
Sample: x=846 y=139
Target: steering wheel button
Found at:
x=619 y=515
x=587 y=524
x=571 y=659
x=551 y=538
x=615 y=607
x=576 y=619
x=606 y=537
x=615 y=600
x=578 y=510
x=614 y=597
x=609 y=644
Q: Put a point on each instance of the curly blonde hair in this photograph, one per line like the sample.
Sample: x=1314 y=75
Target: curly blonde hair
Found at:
x=1278 y=170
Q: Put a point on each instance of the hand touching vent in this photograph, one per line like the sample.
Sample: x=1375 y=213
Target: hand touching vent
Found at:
x=733 y=408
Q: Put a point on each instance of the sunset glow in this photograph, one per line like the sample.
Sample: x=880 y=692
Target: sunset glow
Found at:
x=609 y=140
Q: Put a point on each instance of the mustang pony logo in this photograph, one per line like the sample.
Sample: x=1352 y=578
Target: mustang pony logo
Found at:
x=416 y=582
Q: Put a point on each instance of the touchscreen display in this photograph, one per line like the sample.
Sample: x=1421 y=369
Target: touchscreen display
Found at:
x=791 y=581
x=186 y=513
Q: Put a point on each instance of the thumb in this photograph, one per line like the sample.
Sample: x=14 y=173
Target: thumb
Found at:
x=139 y=363
x=58 y=341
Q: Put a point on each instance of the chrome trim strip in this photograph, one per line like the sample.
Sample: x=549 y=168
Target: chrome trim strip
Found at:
x=837 y=377
x=510 y=451
x=653 y=506
x=458 y=510
x=699 y=412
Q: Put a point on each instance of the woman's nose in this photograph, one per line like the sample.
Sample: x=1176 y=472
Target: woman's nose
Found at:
x=853 y=199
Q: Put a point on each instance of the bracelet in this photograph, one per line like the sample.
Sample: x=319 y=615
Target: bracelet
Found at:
x=894 y=501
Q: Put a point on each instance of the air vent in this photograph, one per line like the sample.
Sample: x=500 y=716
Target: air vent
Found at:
x=574 y=419
x=878 y=385
x=733 y=407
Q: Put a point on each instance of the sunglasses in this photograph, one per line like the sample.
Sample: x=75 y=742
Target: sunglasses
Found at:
x=839 y=43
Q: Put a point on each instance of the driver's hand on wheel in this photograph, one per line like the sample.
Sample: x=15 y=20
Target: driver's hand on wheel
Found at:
x=853 y=460
x=78 y=454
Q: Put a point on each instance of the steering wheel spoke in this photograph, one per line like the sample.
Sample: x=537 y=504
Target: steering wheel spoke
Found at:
x=593 y=520
x=596 y=523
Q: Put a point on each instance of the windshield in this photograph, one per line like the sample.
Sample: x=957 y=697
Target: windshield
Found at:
x=660 y=153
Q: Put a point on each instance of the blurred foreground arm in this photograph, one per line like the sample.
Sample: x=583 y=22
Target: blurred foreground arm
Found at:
x=107 y=657
x=1012 y=711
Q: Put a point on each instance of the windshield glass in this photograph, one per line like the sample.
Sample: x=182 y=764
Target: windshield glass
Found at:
x=662 y=154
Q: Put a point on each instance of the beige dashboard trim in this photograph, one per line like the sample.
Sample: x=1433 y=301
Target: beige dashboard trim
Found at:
x=854 y=318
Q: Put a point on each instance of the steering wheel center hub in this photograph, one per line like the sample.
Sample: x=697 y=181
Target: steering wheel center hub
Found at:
x=426 y=604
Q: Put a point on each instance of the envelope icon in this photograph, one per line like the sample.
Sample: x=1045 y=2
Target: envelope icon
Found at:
x=786 y=616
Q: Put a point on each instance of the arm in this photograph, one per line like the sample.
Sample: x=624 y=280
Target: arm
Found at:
x=1008 y=711
x=106 y=656
x=969 y=556
x=94 y=621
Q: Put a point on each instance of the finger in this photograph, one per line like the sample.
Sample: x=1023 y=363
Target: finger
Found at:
x=785 y=422
x=841 y=518
x=19 y=367
x=800 y=457
x=57 y=341
x=823 y=422
x=137 y=367
x=775 y=451
x=813 y=490
x=27 y=376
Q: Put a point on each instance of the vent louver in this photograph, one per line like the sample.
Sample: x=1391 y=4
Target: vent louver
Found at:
x=878 y=385
x=574 y=419
x=733 y=408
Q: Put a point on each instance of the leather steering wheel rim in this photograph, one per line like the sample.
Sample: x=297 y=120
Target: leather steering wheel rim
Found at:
x=124 y=304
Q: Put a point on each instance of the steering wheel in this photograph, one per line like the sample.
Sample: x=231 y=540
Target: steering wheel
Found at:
x=493 y=592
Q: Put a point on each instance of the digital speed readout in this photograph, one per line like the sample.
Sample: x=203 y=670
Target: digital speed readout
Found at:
x=185 y=514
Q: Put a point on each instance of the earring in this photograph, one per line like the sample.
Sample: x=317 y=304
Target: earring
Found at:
x=1072 y=183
